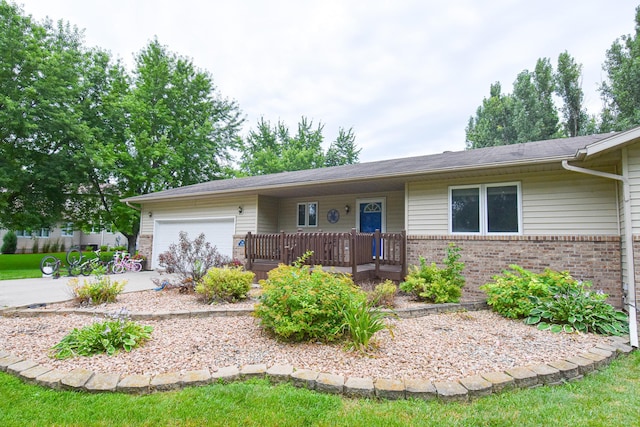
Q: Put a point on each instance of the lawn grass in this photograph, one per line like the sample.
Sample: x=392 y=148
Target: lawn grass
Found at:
x=607 y=398
x=26 y=266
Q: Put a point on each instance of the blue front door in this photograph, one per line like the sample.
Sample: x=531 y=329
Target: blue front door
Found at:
x=371 y=220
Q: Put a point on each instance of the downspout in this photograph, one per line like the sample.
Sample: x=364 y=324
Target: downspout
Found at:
x=133 y=207
x=628 y=232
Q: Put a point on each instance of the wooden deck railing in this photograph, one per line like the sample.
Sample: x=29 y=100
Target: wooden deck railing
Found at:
x=329 y=249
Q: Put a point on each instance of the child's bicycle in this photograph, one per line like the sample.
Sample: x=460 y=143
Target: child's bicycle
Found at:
x=123 y=262
x=50 y=265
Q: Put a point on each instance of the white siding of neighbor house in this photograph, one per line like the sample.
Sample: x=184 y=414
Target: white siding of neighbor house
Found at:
x=561 y=203
x=202 y=208
x=394 y=211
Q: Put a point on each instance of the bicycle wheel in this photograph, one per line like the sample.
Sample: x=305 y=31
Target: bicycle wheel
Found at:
x=109 y=268
x=86 y=269
x=49 y=265
x=136 y=266
x=74 y=256
x=118 y=268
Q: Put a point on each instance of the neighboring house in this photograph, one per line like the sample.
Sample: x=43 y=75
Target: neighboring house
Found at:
x=64 y=234
x=520 y=204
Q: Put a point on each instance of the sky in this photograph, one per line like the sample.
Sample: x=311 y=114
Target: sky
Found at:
x=405 y=75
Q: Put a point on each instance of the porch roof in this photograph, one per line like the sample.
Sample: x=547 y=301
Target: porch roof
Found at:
x=391 y=174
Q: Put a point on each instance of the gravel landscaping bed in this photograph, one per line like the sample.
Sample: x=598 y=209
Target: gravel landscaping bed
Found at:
x=439 y=347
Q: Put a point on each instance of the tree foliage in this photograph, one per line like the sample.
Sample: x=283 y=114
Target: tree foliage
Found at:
x=271 y=149
x=621 y=90
x=78 y=132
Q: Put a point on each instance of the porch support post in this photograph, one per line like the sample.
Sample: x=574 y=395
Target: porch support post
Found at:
x=248 y=253
x=283 y=253
x=403 y=255
x=377 y=242
x=352 y=254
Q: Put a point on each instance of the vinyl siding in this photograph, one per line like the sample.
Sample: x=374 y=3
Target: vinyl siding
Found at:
x=562 y=203
x=267 y=215
x=394 y=213
x=202 y=208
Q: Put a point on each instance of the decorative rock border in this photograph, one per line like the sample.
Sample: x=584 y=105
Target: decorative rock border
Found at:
x=213 y=311
x=558 y=372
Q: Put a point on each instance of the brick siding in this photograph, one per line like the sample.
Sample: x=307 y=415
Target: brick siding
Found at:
x=591 y=258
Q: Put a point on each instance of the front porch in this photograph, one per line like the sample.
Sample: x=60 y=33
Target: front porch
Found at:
x=366 y=256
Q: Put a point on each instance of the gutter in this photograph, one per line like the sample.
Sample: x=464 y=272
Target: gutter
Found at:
x=132 y=207
x=628 y=233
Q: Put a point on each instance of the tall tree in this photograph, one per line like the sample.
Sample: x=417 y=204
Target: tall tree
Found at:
x=271 y=149
x=493 y=122
x=568 y=79
x=41 y=131
x=180 y=131
x=343 y=151
x=535 y=115
x=621 y=90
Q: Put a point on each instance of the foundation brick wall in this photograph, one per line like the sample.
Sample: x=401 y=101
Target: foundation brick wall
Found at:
x=145 y=246
x=590 y=258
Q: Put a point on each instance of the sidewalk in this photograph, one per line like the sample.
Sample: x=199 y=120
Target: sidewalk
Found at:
x=18 y=293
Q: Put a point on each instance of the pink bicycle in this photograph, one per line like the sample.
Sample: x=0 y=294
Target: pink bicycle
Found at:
x=123 y=262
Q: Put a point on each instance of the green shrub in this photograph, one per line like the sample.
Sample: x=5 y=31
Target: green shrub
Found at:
x=510 y=293
x=572 y=307
x=104 y=248
x=98 y=291
x=383 y=295
x=225 y=284
x=102 y=337
x=55 y=246
x=362 y=321
x=9 y=243
x=438 y=285
x=46 y=247
x=298 y=303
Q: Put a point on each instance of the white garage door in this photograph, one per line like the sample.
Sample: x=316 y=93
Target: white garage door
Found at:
x=217 y=231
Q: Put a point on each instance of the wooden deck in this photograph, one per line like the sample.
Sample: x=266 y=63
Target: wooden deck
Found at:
x=366 y=256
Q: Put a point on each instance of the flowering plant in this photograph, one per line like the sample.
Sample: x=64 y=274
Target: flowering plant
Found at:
x=138 y=256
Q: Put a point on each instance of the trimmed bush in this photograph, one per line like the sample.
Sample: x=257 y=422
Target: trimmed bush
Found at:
x=301 y=304
x=9 y=243
x=225 y=284
x=99 y=291
x=510 y=293
x=383 y=295
x=433 y=284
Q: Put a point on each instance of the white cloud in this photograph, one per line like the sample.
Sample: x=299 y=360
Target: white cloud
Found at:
x=405 y=75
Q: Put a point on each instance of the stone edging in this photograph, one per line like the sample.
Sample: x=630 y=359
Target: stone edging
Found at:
x=570 y=369
x=554 y=373
x=213 y=311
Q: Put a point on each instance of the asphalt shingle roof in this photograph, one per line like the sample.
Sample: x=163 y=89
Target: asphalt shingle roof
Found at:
x=526 y=153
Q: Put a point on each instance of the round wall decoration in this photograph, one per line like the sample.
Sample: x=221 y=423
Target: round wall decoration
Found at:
x=333 y=216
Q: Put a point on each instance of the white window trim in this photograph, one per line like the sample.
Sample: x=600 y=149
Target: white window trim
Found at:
x=67 y=230
x=483 y=209
x=306 y=214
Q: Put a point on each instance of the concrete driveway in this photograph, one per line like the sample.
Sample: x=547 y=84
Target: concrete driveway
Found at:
x=23 y=292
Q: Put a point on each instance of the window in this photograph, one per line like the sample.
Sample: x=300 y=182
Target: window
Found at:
x=485 y=209
x=67 y=230
x=308 y=214
x=42 y=232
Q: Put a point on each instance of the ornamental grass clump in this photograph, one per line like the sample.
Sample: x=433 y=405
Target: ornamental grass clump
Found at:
x=362 y=321
x=438 y=285
x=229 y=284
x=98 y=291
x=110 y=336
x=303 y=304
x=383 y=295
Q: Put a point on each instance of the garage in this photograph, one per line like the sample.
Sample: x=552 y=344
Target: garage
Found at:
x=218 y=231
